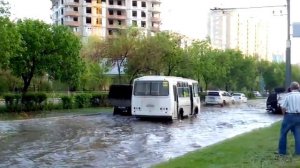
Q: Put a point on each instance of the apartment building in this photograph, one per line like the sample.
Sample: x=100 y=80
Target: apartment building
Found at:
x=237 y=30
x=104 y=18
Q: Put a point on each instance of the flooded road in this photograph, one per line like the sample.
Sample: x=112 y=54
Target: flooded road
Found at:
x=109 y=141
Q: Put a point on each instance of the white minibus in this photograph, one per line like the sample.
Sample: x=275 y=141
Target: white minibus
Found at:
x=165 y=97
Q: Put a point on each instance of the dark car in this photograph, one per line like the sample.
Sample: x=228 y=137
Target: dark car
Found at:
x=119 y=97
x=273 y=101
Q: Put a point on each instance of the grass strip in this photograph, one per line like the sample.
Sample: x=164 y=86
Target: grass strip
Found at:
x=255 y=149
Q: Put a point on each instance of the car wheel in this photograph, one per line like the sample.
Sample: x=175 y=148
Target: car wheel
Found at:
x=116 y=111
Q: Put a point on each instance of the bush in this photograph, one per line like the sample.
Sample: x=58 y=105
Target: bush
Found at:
x=12 y=102
x=34 y=101
x=82 y=100
x=67 y=102
x=99 y=100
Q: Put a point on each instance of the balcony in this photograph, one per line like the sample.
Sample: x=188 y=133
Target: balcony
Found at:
x=71 y=13
x=154 y=9
x=71 y=23
x=95 y=4
x=117 y=17
x=71 y=3
x=155 y=19
x=155 y=1
x=119 y=7
x=116 y=26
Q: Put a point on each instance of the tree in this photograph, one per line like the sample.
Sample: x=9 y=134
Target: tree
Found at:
x=121 y=47
x=46 y=49
x=94 y=77
x=4 y=8
x=10 y=41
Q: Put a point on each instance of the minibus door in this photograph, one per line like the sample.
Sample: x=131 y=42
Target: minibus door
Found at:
x=175 y=100
x=191 y=99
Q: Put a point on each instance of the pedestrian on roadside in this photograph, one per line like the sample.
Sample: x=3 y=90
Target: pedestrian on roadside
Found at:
x=291 y=119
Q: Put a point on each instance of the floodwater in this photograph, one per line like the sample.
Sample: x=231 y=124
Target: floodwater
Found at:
x=108 y=141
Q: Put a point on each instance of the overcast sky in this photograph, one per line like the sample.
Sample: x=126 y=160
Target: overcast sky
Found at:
x=188 y=17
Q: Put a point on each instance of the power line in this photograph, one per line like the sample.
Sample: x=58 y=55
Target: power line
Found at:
x=251 y=7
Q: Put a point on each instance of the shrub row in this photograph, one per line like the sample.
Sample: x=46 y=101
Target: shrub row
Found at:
x=84 y=100
x=38 y=102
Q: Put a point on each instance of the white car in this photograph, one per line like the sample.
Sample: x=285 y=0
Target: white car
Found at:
x=218 y=98
x=240 y=97
x=256 y=94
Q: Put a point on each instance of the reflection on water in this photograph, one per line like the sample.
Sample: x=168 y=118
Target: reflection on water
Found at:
x=119 y=141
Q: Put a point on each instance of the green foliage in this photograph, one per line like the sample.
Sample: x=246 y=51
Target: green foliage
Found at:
x=67 y=102
x=46 y=49
x=82 y=100
x=10 y=40
x=99 y=100
x=250 y=150
x=121 y=47
x=94 y=77
x=4 y=8
x=33 y=101
x=12 y=102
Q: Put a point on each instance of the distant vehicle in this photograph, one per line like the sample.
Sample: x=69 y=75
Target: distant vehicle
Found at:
x=119 y=97
x=275 y=100
x=218 y=98
x=240 y=97
x=256 y=93
x=165 y=97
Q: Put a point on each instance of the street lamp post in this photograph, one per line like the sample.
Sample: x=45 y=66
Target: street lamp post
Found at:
x=288 y=68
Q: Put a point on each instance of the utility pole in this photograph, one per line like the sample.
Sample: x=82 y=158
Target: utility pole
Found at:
x=288 y=69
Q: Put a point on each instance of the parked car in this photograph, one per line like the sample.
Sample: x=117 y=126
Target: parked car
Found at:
x=218 y=98
x=240 y=97
x=256 y=93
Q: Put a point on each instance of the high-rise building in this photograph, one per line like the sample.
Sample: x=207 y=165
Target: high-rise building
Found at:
x=105 y=17
x=237 y=30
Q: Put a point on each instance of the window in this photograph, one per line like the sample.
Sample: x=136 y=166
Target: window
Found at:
x=110 y=12
x=88 y=20
x=120 y=3
x=62 y=11
x=143 y=23
x=88 y=10
x=195 y=90
x=143 y=14
x=75 y=9
x=151 y=88
x=183 y=92
x=134 y=3
x=76 y=1
x=143 y=4
x=88 y=1
x=110 y=22
x=119 y=12
x=134 y=13
x=110 y=32
x=213 y=94
x=98 y=21
x=110 y=2
x=119 y=22
x=62 y=21
x=62 y=1
x=98 y=10
x=134 y=23
x=75 y=19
